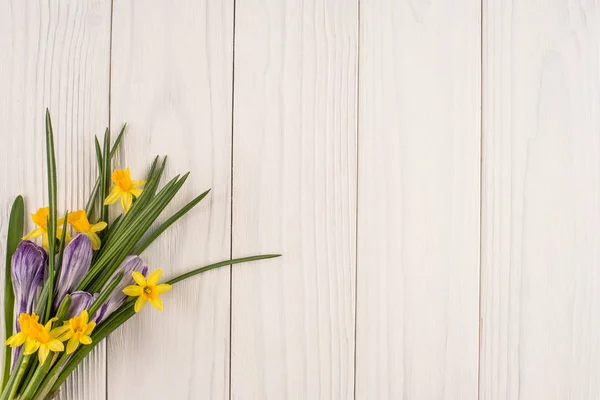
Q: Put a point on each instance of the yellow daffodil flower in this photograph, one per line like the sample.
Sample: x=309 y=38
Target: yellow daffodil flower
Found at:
x=147 y=290
x=77 y=331
x=124 y=189
x=26 y=321
x=44 y=339
x=40 y=218
x=80 y=223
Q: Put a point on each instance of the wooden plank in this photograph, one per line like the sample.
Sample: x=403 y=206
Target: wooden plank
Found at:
x=172 y=83
x=418 y=204
x=294 y=193
x=56 y=55
x=541 y=217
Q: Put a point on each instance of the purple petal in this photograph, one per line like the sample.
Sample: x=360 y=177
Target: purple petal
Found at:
x=77 y=259
x=79 y=301
x=27 y=270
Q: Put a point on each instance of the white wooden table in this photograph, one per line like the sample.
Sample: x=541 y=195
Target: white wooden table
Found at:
x=430 y=170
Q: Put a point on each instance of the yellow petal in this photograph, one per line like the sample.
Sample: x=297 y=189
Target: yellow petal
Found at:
x=133 y=290
x=154 y=277
x=97 y=227
x=138 y=183
x=135 y=191
x=61 y=333
x=113 y=197
x=138 y=278
x=50 y=322
x=55 y=345
x=163 y=288
x=126 y=201
x=43 y=354
x=139 y=304
x=37 y=232
x=59 y=232
x=156 y=303
x=16 y=340
x=45 y=239
x=95 y=240
x=90 y=328
x=84 y=316
x=85 y=340
x=31 y=346
x=72 y=345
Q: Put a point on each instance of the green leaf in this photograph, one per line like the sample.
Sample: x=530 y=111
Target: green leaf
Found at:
x=15 y=233
x=104 y=295
x=89 y=208
x=141 y=246
x=105 y=178
x=118 y=141
x=63 y=236
x=63 y=309
x=51 y=161
x=221 y=264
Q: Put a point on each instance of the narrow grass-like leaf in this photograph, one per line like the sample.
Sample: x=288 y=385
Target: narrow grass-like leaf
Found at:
x=104 y=295
x=51 y=161
x=63 y=309
x=89 y=208
x=106 y=171
x=141 y=246
x=119 y=246
x=132 y=233
x=221 y=264
x=117 y=141
x=63 y=236
x=15 y=233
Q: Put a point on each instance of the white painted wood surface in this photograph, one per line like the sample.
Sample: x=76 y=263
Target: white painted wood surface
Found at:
x=294 y=190
x=541 y=216
x=418 y=205
x=429 y=169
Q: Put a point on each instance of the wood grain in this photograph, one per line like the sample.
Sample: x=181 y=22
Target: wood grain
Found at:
x=418 y=205
x=541 y=215
x=56 y=55
x=172 y=84
x=294 y=193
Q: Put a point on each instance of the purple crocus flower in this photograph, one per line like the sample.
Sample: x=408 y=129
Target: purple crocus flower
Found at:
x=80 y=301
x=77 y=259
x=130 y=264
x=27 y=270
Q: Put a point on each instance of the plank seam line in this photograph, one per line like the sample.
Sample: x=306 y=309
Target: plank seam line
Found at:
x=110 y=51
x=481 y=178
x=357 y=108
x=231 y=196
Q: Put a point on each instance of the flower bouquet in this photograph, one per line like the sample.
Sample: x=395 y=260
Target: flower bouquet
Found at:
x=64 y=297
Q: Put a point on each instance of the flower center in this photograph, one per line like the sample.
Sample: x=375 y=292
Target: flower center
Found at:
x=148 y=290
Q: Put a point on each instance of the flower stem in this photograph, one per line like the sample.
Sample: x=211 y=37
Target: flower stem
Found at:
x=15 y=384
x=49 y=379
x=40 y=373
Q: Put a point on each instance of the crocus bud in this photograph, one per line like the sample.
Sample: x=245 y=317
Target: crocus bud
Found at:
x=80 y=301
x=116 y=298
x=76 y=262
x=27 y=270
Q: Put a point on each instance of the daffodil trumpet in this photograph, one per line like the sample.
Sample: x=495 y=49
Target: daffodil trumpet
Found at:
x=71 y=281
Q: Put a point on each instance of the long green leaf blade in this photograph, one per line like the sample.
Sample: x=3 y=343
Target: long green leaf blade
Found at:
x=165 y=225
x=221 y=264
x=105 y=178
x=51 y=160
x=15 y=233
